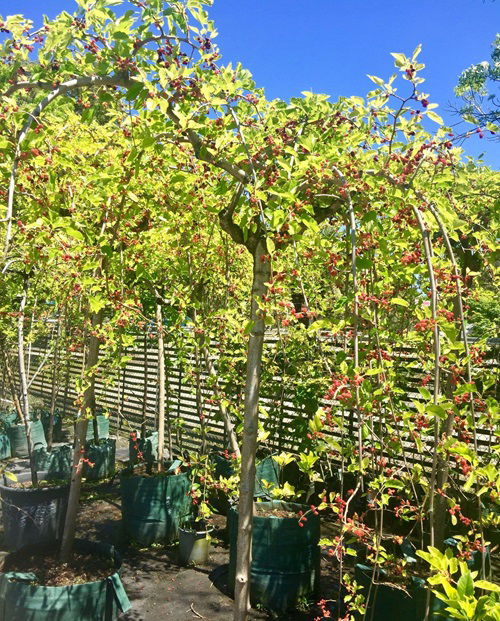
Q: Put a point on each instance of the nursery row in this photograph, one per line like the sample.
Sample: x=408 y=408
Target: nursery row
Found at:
x=315 y=278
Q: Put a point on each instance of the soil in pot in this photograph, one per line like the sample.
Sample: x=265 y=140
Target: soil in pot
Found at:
x=154 y=504
x=35 y=586
x=285 y=556
x=266 y=509
x=32 y=515
x=49 y=571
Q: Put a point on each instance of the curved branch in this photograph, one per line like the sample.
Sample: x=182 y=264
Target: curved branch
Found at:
x=355 y=314
x=226 y=218
x=64 y=87
x=202 y=153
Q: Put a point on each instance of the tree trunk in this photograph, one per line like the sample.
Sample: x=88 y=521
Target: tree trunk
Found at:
x=161 y=385
x=55 y=388
x=145 y=387
x=24 y=382
x=261 y=276
x=12 y=384
x=88 y=406
x=226 y=417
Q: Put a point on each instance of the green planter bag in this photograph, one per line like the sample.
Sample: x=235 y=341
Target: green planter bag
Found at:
x=101 y=600
x=154 y=506
x=389 y=602
x=5 y=451
x=148 y=447
x=44 y=416
x=19 y=441
x=8 y=418
x=102 y=455
x=266 y=469
x=57 y=463
x=285 y=556
x=102 y=428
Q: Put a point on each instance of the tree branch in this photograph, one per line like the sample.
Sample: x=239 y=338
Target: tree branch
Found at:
x=226 y=218
x=64 y=87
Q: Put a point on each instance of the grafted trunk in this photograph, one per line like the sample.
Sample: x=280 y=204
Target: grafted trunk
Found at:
x=261 y=276
x=87 y=406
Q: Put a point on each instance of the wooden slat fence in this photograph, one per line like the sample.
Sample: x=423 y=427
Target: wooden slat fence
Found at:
x=134 y=393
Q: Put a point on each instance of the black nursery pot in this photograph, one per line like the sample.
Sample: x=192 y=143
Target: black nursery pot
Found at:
x=101 y=600
x=32 y=516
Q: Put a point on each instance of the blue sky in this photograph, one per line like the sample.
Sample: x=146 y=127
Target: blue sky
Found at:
x=329 y=46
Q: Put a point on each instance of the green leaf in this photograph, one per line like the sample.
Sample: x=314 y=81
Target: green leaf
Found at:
x=424 y=392
x=394 y=483
x=133 y=196
x=399 y=302
x=465 y=388
x=10 y=475
x=249 y=326
x=400 y=59
x=376 y=371
x=270 y=245
x=470 y=482
x=435 y=117
x=416 y=51
x=134 y=90
x=437 y=410
x=378 y=81
x=96 y=303
x=75 y=234
x=363 y=263
x=465 y=585
x=487 y=586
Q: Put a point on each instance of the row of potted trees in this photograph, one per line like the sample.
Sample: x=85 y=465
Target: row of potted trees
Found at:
x=190 y=178
x=177 y=502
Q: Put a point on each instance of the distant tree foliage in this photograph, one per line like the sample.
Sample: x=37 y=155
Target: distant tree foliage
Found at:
x=485 y=316
x=478 y=86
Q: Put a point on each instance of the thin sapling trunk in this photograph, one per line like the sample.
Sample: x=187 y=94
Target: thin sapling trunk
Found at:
x=55 y=388
x=161 y=385
x=87 y=407
x=261 y=276
x=24 y=382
